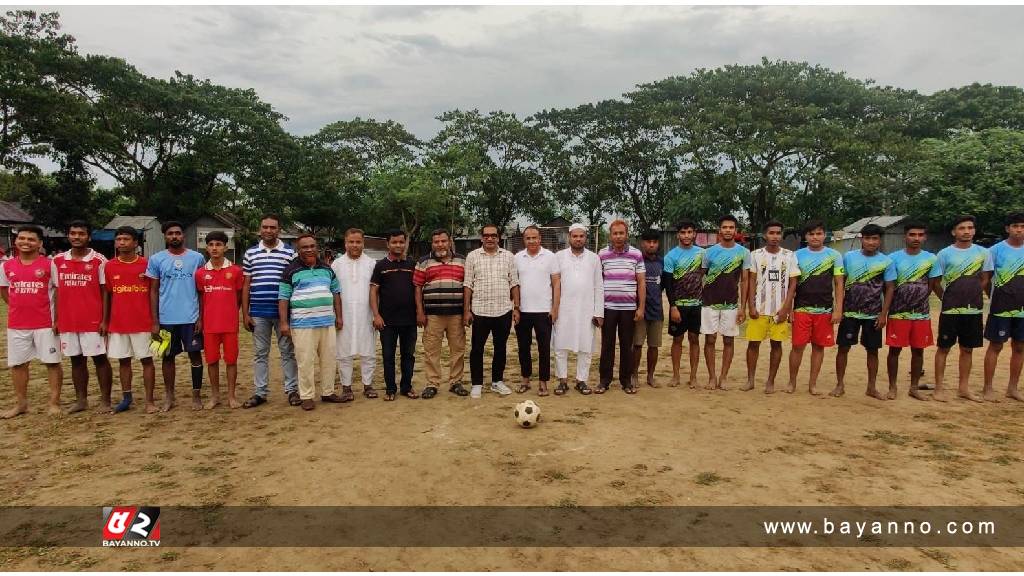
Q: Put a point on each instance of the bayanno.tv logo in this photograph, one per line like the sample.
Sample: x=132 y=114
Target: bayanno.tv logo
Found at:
x=136 y=526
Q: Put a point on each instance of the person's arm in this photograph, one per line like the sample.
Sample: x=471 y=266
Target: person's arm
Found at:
x=4 y=296
x=986 y=282
x=244 y=305
x=339 y=320
x=154 y=305
x=421 y=315
x=103 y=298
x=515 y=304
x=282 y=312
x=513 y=282
x=936 y=286
x=467 y=302
x=378 y=320
x=598 y=295
x=883 y=316
x=751 y=298
x=556 y=296
x=641 y=295
x=202 y=305
x=787 y=304
x=741 y=314
x=838 y=288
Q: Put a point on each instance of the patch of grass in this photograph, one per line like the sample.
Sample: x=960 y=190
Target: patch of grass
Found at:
x=938 y=444
x=640 y=467
x=997 y=439
x=939 y=556
x=925 y=416
x=164 y=455
x=166 y=484
x=887 y=437
x=170 y=556
x=955 y=473
x=790 y=449
x=1005 y=459
x=153 y=467
x=709 y=479
x=617 y=483
x=585 y=413
x=567 y=502
x=947 y=426
x=555 y=475
x=259 y=500
x=203 y=470
x=898 y=564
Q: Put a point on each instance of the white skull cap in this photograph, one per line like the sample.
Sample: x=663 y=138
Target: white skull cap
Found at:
x=577 y=226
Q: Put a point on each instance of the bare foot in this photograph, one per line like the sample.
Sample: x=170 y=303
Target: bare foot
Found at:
x=723 y=385
x=168 y=405
x=892 y=394
x=968 y=395
x=940 y=396
x=234 y=403
x=211 y=404
x=674 y=382
x=836 y=392
x=813 y=391
x=197 y=403
x=990 y=395
x=711 y=385
x=653 y=383
x=748 y=386
x=874 y=393
x=54 y=410
x=916 y=395
x=16 y=411
x=1015 y=394
x=791 y=387
x=151 y=408
x=692 y=384
x=105 y=408
x=769 y=387
x=78 y=406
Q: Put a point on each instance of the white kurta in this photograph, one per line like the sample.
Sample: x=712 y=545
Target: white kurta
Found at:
x=357 y=337
x=582 y=300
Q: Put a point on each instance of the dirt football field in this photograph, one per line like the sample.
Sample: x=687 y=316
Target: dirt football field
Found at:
x=661 y=447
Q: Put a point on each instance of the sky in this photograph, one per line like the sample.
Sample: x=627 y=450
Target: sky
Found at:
x=320 y=64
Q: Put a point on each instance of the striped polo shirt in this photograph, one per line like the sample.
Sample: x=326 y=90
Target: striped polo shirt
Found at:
x=310 y=292
x=619 y=270
x=442 y=283
x=264 y=267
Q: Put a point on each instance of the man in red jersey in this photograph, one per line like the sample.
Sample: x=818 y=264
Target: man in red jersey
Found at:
x=219 y=284
x=128 y=316
x=28 y=286
x=80 y=315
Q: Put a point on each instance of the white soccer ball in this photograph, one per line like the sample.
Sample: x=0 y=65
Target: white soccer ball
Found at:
x=527 y=414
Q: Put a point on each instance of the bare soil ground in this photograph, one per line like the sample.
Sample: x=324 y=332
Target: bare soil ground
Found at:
x=666 y=446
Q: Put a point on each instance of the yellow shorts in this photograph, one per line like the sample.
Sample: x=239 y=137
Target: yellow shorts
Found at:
x=766 y=327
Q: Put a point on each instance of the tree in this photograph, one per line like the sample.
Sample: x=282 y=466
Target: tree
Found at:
x=976 y=107
x=489 y=162
x=978 y=173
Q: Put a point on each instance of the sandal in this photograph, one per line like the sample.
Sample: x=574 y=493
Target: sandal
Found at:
x=629 y=389
x=522 y=388
x=294 y=399
x=429 y=392
x=542 y=389
x=601 y=389
x=582 y=388
x=254 y=401
x=369 y=392
x=346 y=394
x=562 y=388
x=458 y=389
x=410 y=394
x=389 y=396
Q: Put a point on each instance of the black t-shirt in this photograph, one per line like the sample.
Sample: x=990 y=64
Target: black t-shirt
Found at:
x=397 y=297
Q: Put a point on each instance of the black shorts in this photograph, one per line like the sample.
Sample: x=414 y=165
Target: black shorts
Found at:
x=184 y=338
x=870 y=336
x=689 y=321
x=965 y=329
x=999 y=329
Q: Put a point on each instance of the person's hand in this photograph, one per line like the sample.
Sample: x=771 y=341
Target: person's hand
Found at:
x=740 y=317
x=515 y=317
x=598 y=321
x=638 y=315
x=837 y=316
x=339 y=323
x=783 y=315
x=199 y=326
x=285 y=329
x=56 y=331
x=753 y=315
x=247 y=322
x=421 y=320
x=155 y=331
x=554 y=317
x=674 y=315
x=102 y=329
x=467 y=318
x=378 y=322
x=881 y=321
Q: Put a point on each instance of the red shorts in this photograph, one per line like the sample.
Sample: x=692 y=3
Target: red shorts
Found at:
x=901 y=333
x=212 y=343
x=813 y=328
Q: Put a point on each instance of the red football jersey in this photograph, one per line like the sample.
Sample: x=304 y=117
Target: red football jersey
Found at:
x=129 y=296
x=219 y=289
x=30 y=290
x=79 y=292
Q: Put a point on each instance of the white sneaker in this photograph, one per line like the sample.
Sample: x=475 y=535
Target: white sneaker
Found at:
x=500 y=388
x=476 y=391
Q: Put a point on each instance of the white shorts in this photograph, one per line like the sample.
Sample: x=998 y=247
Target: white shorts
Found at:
x=722 y=322
x=129 y=345
x=82 y=344
x=39 y=344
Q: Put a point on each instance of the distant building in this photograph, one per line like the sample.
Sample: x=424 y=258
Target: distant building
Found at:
x=151 y=239
x=11 y=216
x=848 y=237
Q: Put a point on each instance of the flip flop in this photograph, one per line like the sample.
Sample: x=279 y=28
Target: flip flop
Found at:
x=369 y=392
x=561 y=389
x=410 y=394
x=254 y=401
x=429 y=392
x=389 y=397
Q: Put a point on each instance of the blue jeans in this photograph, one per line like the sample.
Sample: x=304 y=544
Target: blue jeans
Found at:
x=390 y=338
x=263 y=328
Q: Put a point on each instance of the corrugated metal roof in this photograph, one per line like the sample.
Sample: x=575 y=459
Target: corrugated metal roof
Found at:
x=12 y=212
x=137 y=222
x=883 y=221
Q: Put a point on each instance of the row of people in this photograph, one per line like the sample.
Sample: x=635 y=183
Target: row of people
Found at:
x=326 y=318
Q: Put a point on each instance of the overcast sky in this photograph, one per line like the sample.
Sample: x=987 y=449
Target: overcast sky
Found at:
x=411 y=63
